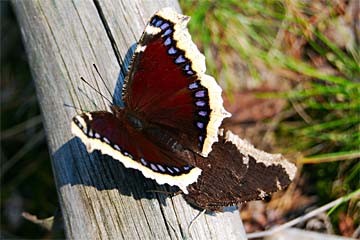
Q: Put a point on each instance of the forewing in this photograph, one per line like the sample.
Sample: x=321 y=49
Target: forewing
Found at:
x=167 y=85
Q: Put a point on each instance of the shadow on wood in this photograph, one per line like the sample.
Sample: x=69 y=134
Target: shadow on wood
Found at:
x=85 y=169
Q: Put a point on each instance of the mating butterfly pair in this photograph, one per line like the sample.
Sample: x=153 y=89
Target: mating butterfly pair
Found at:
x=169 y=128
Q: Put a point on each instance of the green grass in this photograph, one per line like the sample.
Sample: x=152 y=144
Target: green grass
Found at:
x=246 y=42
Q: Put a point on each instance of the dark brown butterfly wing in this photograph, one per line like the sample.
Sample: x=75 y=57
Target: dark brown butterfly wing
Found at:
x=167 y=85
x=236 y=172
x=116 y=137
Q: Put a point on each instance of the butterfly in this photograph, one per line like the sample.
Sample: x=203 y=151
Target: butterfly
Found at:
x=169 y=127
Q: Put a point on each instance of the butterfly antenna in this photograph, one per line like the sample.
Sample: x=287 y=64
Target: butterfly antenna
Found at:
x=74 y=107
x=89 y=98
x=102 y=79
x=95 y=90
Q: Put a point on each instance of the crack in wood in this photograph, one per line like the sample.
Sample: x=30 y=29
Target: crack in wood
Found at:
x=110 y=36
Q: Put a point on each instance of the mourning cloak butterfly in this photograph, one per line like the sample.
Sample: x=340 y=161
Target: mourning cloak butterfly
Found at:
x=171 y=106
x=169 y=127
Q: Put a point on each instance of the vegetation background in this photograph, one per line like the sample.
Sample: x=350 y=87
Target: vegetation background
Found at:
x=292 y=77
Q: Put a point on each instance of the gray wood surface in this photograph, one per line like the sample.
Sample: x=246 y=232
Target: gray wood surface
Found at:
x=99 y=198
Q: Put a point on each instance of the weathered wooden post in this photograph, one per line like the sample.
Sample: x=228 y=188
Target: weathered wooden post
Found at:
x=99 y=198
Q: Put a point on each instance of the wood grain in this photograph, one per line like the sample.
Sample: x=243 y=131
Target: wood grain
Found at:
x=99 y=198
